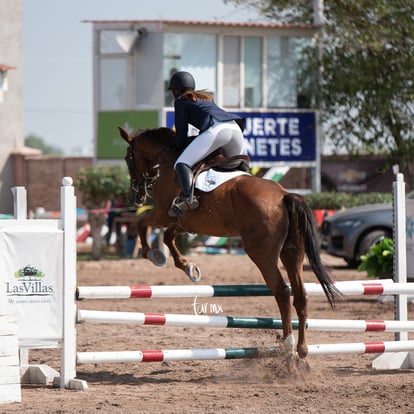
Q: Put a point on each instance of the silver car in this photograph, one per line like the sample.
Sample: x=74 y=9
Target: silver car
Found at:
x=350 y=233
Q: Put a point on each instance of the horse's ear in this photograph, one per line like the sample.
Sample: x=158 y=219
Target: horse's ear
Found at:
x=124 y=134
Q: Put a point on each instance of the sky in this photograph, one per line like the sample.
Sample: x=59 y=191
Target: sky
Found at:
x=57 y=59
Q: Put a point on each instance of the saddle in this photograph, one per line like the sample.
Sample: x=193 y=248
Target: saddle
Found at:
x=219 y=162
x=216 y=160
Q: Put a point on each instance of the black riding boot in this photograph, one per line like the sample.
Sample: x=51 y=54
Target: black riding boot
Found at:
x=185 y=179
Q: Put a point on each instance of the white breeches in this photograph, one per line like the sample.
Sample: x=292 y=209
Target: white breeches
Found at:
x=225 y=135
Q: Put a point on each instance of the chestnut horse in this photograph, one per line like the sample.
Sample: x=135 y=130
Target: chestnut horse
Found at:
x=271 y=222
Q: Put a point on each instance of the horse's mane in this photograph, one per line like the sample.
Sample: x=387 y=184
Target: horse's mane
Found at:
x=161 y=136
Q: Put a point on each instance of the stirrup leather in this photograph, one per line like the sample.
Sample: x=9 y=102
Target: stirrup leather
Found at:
x=179 y=207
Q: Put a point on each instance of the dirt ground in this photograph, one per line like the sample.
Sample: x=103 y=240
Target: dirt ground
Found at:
x=333 y=384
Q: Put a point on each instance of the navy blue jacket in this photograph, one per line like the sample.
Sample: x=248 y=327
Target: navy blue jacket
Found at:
x=200 y=114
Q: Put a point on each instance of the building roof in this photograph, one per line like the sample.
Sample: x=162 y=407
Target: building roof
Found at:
x=4 y=67
x=210 y=23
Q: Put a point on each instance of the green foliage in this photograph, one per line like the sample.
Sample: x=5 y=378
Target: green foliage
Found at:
x=366 y=85
x=379 y=260
x=100 y=183
x=34 y=141
x=338 y=200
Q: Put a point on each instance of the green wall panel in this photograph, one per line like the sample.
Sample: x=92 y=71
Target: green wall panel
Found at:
x=109 y=143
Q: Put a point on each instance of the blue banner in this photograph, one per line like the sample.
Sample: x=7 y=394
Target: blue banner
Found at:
x=274 y=137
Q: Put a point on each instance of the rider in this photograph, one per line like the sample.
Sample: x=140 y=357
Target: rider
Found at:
x=218 y=129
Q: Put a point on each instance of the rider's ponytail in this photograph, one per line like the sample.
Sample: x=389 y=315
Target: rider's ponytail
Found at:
x=194 y=96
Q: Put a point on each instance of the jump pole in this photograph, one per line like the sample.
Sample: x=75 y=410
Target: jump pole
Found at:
x=213 y=321
x=380 y=287
x=237 y=353
x=401 y=359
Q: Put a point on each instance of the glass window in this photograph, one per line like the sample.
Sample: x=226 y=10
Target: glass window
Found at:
x=307 y=72
x=253 y=72
x=281 y=86
x=283 y=60
x=194 y=53
x=112 y=84
x=231 y=71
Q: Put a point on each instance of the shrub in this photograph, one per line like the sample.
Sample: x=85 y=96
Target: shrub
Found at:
x=379 y=261
x=338 y=200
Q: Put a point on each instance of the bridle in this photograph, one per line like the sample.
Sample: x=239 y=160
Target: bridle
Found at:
x=141 y=187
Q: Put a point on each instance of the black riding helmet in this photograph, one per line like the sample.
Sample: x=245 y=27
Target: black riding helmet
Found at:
x=182 y=81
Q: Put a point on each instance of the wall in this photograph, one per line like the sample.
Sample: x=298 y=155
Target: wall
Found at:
x=42 y=175
x=11 y=109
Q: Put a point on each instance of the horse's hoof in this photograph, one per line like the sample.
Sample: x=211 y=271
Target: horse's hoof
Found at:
x=288 y=345
x=157 y=257
x=302 y=351
x=302 y=365
x=193 y=272
x=291 y=363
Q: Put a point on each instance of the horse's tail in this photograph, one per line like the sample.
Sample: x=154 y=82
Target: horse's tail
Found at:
x=303 y=220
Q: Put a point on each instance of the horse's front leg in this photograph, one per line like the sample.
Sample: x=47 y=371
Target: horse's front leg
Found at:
x=142 y=234
x=190 y=269
x=156 y=256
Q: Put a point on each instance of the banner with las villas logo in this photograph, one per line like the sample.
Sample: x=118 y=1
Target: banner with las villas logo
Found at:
x=31 y=281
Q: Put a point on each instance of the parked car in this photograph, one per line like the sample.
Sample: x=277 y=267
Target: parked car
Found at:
x=350 y=233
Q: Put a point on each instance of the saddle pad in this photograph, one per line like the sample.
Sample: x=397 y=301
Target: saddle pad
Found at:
x=211 y=179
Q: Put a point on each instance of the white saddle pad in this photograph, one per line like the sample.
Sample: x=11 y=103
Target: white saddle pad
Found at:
x=211 y=179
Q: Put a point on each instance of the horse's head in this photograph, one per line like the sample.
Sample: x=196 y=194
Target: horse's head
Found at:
x=142 y=161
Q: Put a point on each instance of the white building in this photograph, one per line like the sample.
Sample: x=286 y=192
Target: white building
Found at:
x=11 y=95
x=254 y=69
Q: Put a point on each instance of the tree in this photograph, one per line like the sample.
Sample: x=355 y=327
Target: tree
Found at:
x=99 y=184
x=367 y=87
x=34 y=141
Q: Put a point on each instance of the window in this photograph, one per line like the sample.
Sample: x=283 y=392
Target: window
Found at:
x=194 y=53
x=257 y=71
x=253 y=61
x=231 y=71
x=112 y=84
x=283 y=61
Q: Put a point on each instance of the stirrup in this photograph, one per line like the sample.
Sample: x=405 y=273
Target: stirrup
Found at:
x=178 y=208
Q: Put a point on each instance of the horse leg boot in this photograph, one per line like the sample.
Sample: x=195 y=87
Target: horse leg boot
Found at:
x=184 y=176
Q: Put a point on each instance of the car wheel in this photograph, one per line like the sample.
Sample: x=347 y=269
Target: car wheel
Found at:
x=352 y=263
x=370 y=239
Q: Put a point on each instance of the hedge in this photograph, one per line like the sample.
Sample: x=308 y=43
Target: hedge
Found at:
x=337 y=200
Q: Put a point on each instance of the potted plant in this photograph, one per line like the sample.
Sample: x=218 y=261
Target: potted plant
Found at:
x=379 y=261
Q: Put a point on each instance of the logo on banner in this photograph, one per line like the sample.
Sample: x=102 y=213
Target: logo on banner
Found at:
x=29 y=283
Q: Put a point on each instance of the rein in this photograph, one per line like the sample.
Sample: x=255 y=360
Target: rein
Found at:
x=147 y=178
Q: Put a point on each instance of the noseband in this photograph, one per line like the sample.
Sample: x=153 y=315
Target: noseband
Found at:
x=144 y=184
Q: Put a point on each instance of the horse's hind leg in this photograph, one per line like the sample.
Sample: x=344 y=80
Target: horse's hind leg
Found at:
x=292 y=258
x=266 y=261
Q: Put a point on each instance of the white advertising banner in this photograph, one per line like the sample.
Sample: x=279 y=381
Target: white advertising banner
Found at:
x=31 y=280
x=409 y=230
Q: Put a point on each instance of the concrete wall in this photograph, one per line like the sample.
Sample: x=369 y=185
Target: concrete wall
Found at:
x=11 y=109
